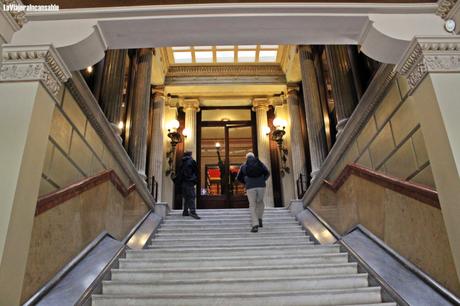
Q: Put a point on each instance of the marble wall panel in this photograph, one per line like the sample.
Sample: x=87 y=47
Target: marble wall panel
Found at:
x=420 y=148
x=388 y=105
x=404 y=120
x=62 y=171
x=365 y=160
x=366 y=135
x=74 y=112
x=60 y=233
x=80 y=153
x=382 y=145
x=402 y=163
x=61 y=130
x=425 y=177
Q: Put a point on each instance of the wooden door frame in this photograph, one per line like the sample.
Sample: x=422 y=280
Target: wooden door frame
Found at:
x=252 y=123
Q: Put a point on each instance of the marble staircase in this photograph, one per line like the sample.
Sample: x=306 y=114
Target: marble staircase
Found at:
x=217 y=261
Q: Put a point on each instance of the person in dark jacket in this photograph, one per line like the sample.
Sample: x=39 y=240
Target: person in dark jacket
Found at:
x=253 y=174
x=187 y=178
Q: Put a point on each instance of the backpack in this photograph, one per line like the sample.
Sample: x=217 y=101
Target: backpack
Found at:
x=255 y=169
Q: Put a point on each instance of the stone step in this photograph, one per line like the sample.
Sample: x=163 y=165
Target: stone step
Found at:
x=235 y=250
x=226 y=229
x=229 y=217
x=162 y=235
x=151 y=262
x=225 y=222
x=229 y=227
x=235 y=285
x=274 y=298
x=236 y=237
x=216 y=243
x=142 y=275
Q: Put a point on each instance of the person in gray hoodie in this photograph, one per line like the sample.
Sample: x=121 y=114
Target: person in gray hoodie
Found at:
x=253 y=174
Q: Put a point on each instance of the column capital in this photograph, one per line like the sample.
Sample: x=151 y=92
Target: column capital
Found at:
x=191 y=104
x=260 y=104
x=16 y=18
x=158 y=92
x=444 y=8
x=306 y=52
x=293 y=89
x=429 y=55
x=34 y=63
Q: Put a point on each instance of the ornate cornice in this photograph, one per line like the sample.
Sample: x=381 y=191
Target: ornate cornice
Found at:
x=429 y=55
x=34 y=63
x=19 y=17
x=224 y=70
x=444 y=7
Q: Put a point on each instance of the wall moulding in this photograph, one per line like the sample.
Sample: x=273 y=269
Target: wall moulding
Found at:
x=34 y=63
x=366 y=107
x=98 y=120
x=58 y=197
x=429 y=55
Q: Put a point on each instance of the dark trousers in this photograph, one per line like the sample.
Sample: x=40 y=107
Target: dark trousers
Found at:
x=188 y=193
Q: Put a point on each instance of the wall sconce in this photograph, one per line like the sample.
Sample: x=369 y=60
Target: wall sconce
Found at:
x=266 y=130
x=277 y=136
x=186 y=132
x=89 y=69
x=217 y=146
x=175 y=138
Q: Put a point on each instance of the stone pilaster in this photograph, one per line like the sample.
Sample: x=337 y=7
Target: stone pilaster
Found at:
x=156 y=150
x=314 y=115
x=431 y=66
x=343 y=89
x=31 y=83
x=137 y=146
x=260 y=106
x=112 y=84
x=191 y=107
x=297 y=145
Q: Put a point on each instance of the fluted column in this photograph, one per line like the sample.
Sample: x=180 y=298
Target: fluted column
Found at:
x=297 y=145
x=137 y=147
x=112 y=84
x=156 y=143
x=343 y=89
x=260 y=106
x=191 y=107
x=314 y=115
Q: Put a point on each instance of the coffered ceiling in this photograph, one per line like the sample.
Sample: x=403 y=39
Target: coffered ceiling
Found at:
x=67 y=4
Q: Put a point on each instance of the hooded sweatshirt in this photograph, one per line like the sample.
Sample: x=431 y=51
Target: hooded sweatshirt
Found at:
x=253 y=182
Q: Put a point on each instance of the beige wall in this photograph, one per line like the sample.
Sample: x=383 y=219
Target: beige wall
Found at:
x=60 y=233
x=391 y=141
x=75 y=150
x=413 y=229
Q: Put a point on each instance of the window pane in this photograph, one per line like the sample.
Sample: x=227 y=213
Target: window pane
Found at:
x=181 y=48
x=269 y=46
x=203 y=56
x=267 y=56
x=247 y=47
x=246 y=56
x=225 y=56
x=182 y=57
x=203 y=47
x=225 y=47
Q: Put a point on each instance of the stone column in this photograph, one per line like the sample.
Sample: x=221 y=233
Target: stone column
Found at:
x=260 y=106
x=432 y=69
x=137 y=146
x=297 y=146
x=191 y=107
x=31 y=84
x=112 y=85
x=343 y=89
x=314 y=115
x=156 y=144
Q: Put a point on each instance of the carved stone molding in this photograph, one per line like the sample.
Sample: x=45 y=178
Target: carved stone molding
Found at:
x=34 y=63
x=444 y=7
x=224 y=70
x=429 y=55
x=19 y=17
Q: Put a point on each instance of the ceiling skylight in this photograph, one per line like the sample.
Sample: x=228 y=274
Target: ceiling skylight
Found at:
x=228 y=54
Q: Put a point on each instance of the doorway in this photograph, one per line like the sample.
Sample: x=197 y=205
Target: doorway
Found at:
x=225 y=136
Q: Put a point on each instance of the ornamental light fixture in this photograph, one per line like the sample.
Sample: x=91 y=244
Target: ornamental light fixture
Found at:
x=175 y=138
x=277 y=135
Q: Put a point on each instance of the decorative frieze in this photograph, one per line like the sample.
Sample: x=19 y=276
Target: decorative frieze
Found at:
x=444 y=7
x=34 y=63
x=430 y=55
x=224 y=70
x=19 y=17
